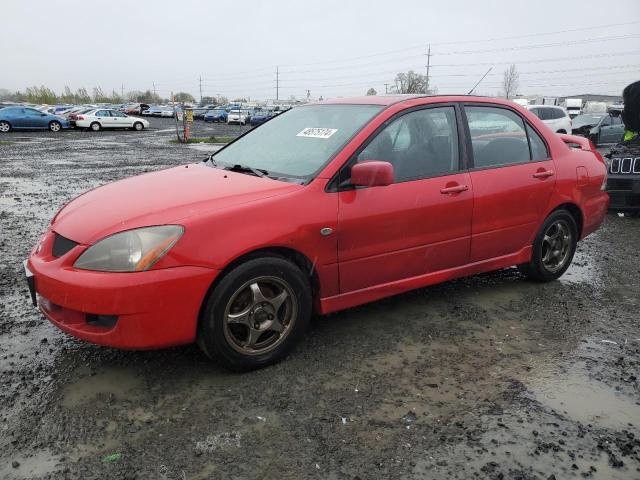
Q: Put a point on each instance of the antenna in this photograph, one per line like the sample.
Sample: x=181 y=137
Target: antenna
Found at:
x=474 y=87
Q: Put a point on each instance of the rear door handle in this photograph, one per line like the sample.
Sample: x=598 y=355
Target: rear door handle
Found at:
x=545 y=174
x=454 y=189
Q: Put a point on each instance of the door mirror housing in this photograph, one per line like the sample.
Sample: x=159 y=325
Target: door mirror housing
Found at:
x=372 y=173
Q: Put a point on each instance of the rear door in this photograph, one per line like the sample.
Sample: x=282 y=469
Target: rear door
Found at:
x=18 y=118
x=513 y=179
x=419 y=224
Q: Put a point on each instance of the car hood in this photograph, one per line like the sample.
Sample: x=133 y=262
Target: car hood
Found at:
x=158 y=198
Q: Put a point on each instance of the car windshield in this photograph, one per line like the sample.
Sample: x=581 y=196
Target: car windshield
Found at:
x=299 y=143
x=586 y=120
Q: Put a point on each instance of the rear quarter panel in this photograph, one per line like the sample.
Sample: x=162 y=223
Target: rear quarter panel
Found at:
x=579 y=178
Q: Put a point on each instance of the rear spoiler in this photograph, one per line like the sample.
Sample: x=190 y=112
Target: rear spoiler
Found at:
x=581 y=142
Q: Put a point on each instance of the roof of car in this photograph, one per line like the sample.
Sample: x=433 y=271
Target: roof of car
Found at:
x=545 y=106
x=387 y=100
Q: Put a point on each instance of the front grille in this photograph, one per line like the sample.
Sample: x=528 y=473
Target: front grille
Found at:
x=625 y=166
x=61 y=245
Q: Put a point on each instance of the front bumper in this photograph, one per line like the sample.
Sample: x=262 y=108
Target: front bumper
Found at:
x=152 y=309
x=624 y=192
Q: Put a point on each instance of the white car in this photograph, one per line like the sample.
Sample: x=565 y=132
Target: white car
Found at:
x=238 y=116
x=556 y=118
x=108 y=118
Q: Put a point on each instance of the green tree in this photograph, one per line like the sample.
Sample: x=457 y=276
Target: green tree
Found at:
x=82 y=96
x=67 y=95
x=372 y=91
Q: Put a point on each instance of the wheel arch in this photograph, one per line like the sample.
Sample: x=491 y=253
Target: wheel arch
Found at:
x=575 y=212
x=297 y=258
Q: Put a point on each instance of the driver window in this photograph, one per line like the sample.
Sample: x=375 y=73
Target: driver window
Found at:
x=606 y=121
x=419 y=144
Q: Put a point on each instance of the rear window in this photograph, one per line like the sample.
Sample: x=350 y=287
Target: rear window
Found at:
x=500 y=137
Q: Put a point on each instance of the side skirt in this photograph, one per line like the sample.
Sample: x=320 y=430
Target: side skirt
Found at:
x=370 y=294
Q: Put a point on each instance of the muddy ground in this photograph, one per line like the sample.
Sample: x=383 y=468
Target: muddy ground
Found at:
x=486 y=377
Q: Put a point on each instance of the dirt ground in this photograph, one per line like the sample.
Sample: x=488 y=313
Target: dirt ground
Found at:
x=486 y=377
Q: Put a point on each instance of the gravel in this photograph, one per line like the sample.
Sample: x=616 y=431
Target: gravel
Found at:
x=486 y=377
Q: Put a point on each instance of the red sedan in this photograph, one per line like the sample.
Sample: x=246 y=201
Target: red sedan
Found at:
x=321 y=208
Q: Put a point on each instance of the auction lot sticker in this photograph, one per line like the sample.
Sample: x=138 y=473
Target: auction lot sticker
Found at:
x=312 y=132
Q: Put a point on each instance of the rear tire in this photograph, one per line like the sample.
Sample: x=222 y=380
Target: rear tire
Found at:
x=553 y=248
x=55 y=126
x=256 y=314
x=138 y=126
x=5 y=127
x=95 y=126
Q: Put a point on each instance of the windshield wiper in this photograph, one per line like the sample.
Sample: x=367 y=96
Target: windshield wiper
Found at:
x=258 y=172
x=210 y=159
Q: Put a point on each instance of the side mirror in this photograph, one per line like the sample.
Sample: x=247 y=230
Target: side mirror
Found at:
x=372 y=173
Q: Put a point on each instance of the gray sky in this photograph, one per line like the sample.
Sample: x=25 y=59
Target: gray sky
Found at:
x=333 y=48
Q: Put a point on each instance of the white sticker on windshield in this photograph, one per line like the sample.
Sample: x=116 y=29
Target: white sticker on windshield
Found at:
x=312 y=132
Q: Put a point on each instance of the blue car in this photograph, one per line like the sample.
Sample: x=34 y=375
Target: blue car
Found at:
x=216 y=115
x=259 y=117
x=25 y=118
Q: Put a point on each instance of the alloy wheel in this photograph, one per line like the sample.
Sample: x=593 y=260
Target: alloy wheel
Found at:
x=556 y=246
x=54 y=127
x=260 y=315
x=4 y=127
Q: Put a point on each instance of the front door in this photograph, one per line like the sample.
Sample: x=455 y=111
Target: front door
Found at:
x=419 y=224
x=513 y=179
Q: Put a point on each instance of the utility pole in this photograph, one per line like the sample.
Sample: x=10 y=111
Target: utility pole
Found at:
x=122 y=90
x=200 y=89
x=428 y=65
x=308 y=95
x=154 y=89
x=386 y=88
x=277 y=83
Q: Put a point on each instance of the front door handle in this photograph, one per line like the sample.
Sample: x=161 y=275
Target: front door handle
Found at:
x=543 y=174
x=454 y=189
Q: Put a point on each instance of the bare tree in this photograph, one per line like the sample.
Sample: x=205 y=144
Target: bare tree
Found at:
x=510 y=82
x=411 y=82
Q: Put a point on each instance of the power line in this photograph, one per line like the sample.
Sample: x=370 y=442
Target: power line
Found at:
x=475 y=40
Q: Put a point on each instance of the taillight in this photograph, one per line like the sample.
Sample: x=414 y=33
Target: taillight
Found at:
x=79 y=117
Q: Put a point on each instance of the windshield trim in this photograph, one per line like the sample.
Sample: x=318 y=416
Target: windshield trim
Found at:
x=306 y=179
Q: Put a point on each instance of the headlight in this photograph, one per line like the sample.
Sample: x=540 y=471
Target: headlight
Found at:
x=131 y=251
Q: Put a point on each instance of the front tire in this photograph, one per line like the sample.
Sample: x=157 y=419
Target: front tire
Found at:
x=95 y=126
x=256 y=314
x=55 y=126
x=138 y=126
x=5 y=127
x=553 y=248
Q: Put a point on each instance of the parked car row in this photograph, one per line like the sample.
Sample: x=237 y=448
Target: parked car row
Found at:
x=20 y=117
x=600 y=128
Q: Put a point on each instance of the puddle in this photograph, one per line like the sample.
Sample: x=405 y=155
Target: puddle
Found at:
x=37 y=465
x=116 y=381
x=587 y=401
x=582 y=270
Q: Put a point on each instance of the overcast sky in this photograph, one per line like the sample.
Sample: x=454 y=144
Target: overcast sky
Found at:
x=333 y=48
